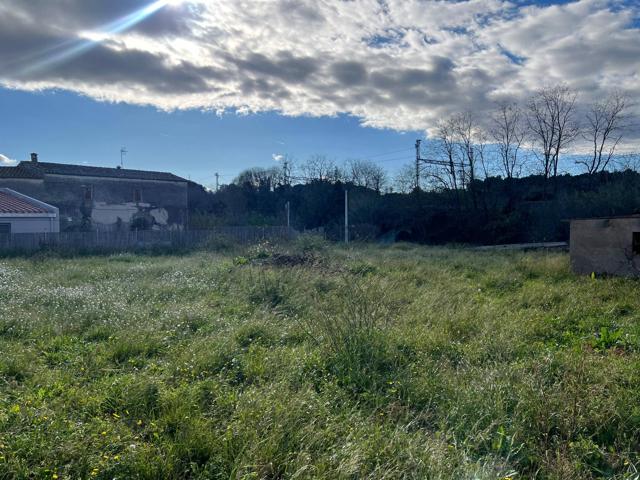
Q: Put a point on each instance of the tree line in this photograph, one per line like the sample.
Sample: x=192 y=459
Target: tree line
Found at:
x=492 y=179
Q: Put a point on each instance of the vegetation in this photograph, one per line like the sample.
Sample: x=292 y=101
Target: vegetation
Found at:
x=312 y=361
x=496 y=210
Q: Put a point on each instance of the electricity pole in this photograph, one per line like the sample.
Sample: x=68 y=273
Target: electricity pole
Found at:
x=217 y=181
x=123 y=152
x=346 y=216
x=418 y=159
x=288 y=207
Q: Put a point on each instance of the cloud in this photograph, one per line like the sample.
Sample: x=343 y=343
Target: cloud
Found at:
x=278 y=157
x=399 y=64
x=6 y=161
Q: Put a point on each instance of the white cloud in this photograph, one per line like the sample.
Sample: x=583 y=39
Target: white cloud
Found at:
x=6 y=161
x=278 y=157
x=400 y=64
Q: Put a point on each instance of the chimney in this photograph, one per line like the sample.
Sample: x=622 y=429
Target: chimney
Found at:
x=34 y=157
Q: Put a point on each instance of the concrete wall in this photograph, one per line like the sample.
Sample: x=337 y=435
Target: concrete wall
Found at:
x=162 y=206
x=32 y=224
x=604 y=246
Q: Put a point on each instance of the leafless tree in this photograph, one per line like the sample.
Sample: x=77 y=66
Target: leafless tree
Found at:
x=551 y=121
x=262 y=178
x=318 y=167
x=404 y=180
x=605 y=126
x=508 y=132
x=447 y=143
x=367 y=174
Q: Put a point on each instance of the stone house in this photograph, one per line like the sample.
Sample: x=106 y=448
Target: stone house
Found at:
x=104 y=199
x=609 y=245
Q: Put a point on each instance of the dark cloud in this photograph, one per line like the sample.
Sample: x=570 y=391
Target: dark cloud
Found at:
x=349 y=73
x=439 y=75
x=96 y=64
x=93 y=14
x=394 y=63
x=285 y=66
x=136 y=67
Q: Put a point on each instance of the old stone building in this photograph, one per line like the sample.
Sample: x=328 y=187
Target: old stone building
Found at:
x=105 y=199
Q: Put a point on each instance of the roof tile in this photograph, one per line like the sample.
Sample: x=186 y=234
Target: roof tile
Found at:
x=13 y=204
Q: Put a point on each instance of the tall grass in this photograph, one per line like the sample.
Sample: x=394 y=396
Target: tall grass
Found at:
x=313 y=361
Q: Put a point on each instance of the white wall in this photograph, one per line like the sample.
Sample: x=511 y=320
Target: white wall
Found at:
x=32 y=224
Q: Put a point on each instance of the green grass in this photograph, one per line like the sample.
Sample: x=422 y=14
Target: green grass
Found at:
x=319 y=362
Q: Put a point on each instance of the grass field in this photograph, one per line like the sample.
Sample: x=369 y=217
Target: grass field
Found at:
x=310 y=361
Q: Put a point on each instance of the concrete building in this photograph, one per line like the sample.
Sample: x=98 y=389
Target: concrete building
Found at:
x=606 y=245
x=22 y=214
x=104 y=199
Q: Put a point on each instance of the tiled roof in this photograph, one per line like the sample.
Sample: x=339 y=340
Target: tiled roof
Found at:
x=19 y=172
x=87 y=171
x=10 y=203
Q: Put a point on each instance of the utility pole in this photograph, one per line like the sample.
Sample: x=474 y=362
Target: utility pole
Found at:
x=123 y=152
x=418 y=159
x=217 y=181
x=346 y=216
x=288 y=207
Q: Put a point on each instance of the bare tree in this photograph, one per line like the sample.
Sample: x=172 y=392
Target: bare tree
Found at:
x=467 y=133
x=551 y=120
x=260 y=178
x=605 y=126
x=367 y=174
x=404 y=180
x=446 y=136
x=508 y=132
x=318 y=167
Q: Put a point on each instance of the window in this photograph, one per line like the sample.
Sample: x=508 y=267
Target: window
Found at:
x=137 y=195
x=88 y=192
x=635 y=245
x=5 y=228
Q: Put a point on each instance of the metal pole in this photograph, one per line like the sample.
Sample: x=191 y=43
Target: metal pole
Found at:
x=217 y=181
x=346 y=216
x=418 y=164
x=288 y=206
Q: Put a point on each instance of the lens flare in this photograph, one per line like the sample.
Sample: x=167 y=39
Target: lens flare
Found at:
x=67 y=50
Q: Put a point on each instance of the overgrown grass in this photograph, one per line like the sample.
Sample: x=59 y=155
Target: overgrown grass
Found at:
x=317 y=362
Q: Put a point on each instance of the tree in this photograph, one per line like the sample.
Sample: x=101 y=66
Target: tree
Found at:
x=508 y=132
x=446 y=138
x=365 y=173
x=551 y=121
x=318 y=168
x=260 y=178
x=404 y=181
x=605 y=125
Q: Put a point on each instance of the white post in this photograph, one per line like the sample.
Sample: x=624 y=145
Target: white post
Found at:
x=346 y=216
x=288 y=205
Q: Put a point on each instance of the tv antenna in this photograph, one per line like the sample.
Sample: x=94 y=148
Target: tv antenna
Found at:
x=123 y=152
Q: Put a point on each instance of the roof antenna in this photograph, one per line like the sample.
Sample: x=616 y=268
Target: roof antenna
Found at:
x=123 y=152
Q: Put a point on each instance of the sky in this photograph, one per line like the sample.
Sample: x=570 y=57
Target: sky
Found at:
x=203 y=86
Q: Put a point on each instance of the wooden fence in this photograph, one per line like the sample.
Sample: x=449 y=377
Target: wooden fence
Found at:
x=131 y=240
